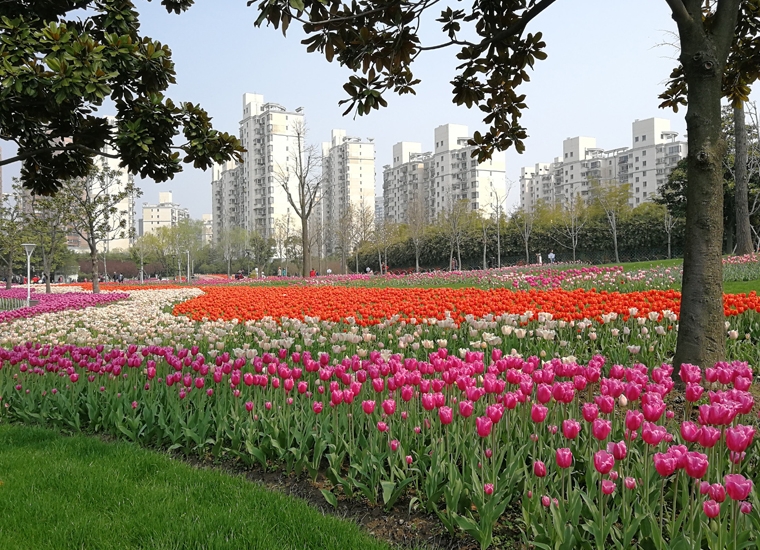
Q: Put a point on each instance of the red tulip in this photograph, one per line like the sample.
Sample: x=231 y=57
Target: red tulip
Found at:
x=737 y=486
x=564 y=457
x=711 y=508
x=603 y=462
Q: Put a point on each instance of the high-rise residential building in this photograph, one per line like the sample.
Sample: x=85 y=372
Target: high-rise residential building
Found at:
x=164 y=214
x=208 y=228
x=126 y=208
x=441 y=178
x=348 y=180
x=644 y=166
x=251 y=195
x=379 y=211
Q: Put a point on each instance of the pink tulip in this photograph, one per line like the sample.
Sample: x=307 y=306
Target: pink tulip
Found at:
x=466 y=408
x=564 y=457
x=368 y=407
x=696 y=465
x=489 y=453
x=694 y=392
x=689 y=432
x=389 y=406
x=618 y=450
x=134 y=404
x=708 y=436
x=717 y=492
x=633 y=420
x=737 y=486
x=488 y=488
x=739 y=438
x=538 y=413
x=249 y=406
x=630 y=483
x=446 y=414
x=603 y=462
x=590 y=412
x=409 y=459
x=606 y=403
x=653 y=410
x=571 y=428
x=745 y=507
x=652 y=434
x=608 y=487
x=546 y=501
x=317 y=406
x=543 y=393
x=704 y=487
x=382 y=426
x=539 y=469
x=394 y=443
x=664 y=463
x=600 y=429
x=483 y=425
x=711 y=508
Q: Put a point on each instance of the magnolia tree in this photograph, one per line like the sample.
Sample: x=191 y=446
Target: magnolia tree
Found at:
x=62 y=60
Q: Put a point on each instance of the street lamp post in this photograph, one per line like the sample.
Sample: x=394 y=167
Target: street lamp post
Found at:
x=29 y=248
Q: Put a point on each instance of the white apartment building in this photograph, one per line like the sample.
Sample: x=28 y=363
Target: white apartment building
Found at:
x=644 y=166
x=251 y=195
x=208 y=228
x=126 y=209
x=379 y=211
x=348 y=179
x=442 y=177
x=164 y=214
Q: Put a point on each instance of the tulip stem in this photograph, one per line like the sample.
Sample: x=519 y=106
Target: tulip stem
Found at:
x=675 y=499
x=662 y=502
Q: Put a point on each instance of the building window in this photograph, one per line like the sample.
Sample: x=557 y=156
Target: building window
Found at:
x=636 y=139
x=637 y=179
x=644 y=137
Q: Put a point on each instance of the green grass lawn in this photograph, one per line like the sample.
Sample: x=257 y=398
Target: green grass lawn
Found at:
x=81 y=492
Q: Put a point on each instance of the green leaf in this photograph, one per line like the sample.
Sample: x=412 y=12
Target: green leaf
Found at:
x=330 y=497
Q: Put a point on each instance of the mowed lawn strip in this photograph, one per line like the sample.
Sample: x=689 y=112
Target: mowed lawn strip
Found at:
x=81 y=492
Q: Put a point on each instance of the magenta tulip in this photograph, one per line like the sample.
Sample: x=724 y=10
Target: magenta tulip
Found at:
x=696 y=465
x=368 y=407
x=633 y=420
x=601 y=429
x=608 y=487
x=446 y=414
x=745 y=507
x=717 y=492
x=711 y=508
x=539 y=469
x=739 y=438
x=737 y=486
x=538 y=413
x=665 y=464
x=488 y=488
x=317 y=406
x=483 y=424
x=630 y=483
x=466 y=408
x=689 y=432
x=571 y=428
x=564 y=457
x=603 y=462
x=389 y=406
x=590 y=412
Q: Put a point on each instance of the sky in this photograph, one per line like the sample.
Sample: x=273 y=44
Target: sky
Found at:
x=606 y=66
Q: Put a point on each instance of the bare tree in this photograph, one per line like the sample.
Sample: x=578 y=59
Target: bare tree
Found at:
x=233 y=243
x=95 y=214
x=301 y=178
x=670 y=224
x=416 y=220
x=12 y=231
x=452 y=223
x=498 y=205
x=572 y=219
x=49 y=216
x=345 y=234
x=524 y=221
x=612 y=198
x=364 y=220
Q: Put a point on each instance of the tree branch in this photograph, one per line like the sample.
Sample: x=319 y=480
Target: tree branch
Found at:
x=519 y=26
x=680 y=15
x=726 y=15
x=70 y=147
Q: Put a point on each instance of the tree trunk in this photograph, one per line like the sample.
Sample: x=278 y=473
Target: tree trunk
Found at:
x=613 y=227
x=743 y=229
x=95 y=274
x=701 y=333
x=527 y=253
x=46 y=265
x=9 y=273
x=417 y=257
x=380 y=261
x=305 y=248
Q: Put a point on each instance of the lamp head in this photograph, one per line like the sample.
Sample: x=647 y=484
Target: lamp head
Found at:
x=29 y=247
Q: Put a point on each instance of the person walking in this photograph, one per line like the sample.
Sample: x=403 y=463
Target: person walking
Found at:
x=551 y=256
x=539 y=260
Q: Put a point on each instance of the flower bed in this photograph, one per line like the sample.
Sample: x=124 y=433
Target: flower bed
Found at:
x=49 y=303
x=572 y=420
